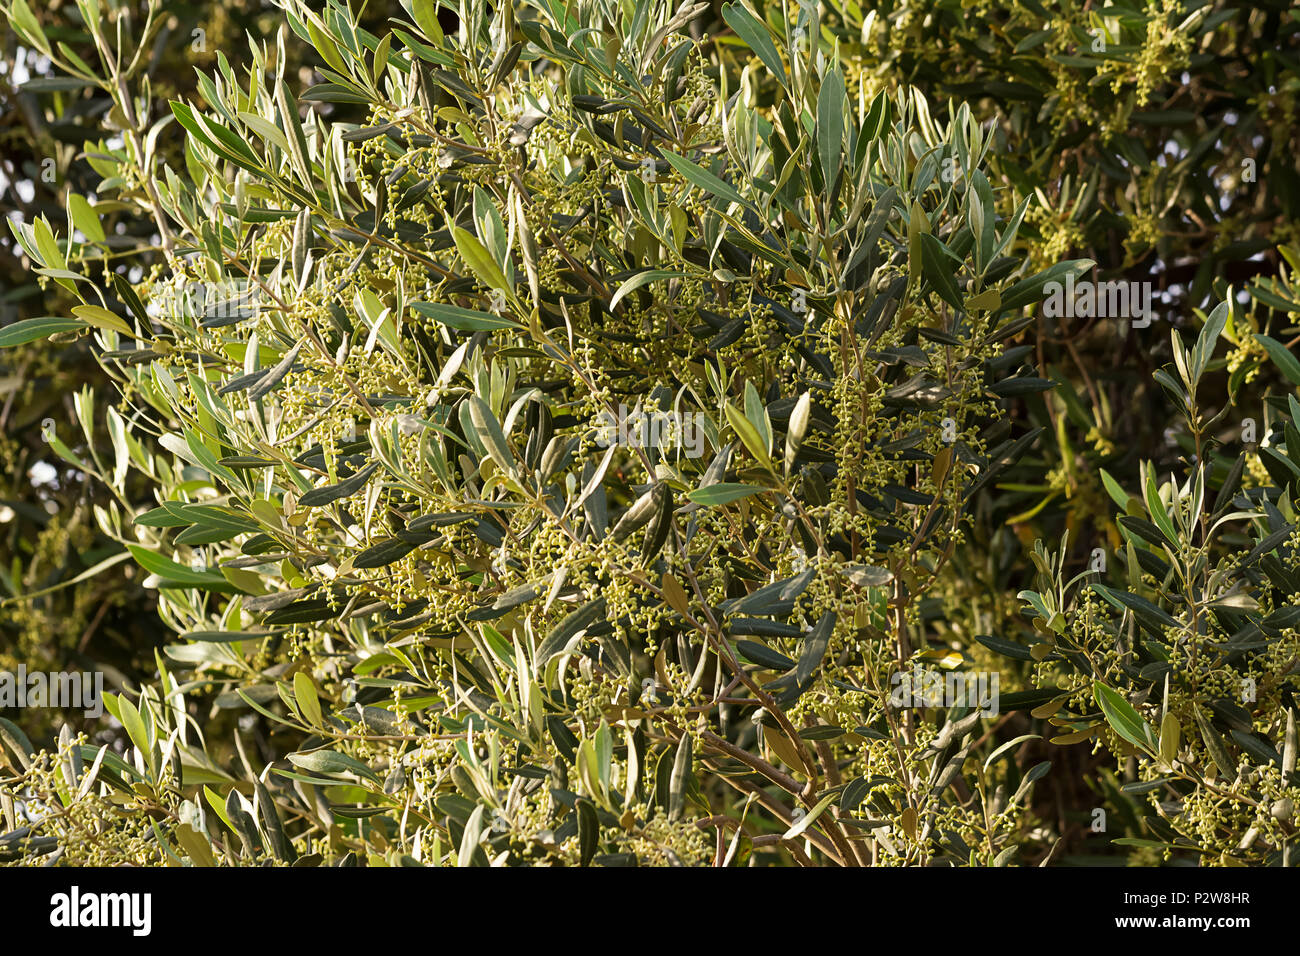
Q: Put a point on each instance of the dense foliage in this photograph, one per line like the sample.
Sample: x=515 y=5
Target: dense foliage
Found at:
x=385 y=345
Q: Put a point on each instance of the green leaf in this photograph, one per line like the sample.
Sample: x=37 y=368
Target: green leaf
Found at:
x=937 y=262
x=814 y=648
x=134 y=724
x=328 y=761
x=1281 y=357
x=17 y=741
x=748 y=434
x=1005 y=647
x=463 y=320
x=764 y=656
x=21 y=16
x=1209 y=337
x=1148 y=615
x=807 y=820
x=1215 y=744
x=29 y=330
x=722 y=493
x=1257 y=748
x=877 y=117
x=126 y=292
x=641 y=279
x=383 y=553
x=425 y=13
x=1030 y=289
x=702 y=178
x=323 y=496
x=1123 y=718
x=983 y=218
x=1170 y=737
x=479 y=259
x=756 y=36
x=756 y=414
x=490 y=434
x=680 y=774
x=101 y=318
x=1156 y=507
x=226 y=637
x=51 y=256
x=1117 y=494
x=588 y=830
x=830 y=124
x=1007 y=746
x=84 y=218
x=578 y=620
x=177 y=575
x=272 y=826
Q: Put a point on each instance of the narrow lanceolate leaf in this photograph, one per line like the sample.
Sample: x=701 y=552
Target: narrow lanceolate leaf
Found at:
x=328 y=761
x=1151 y=617
x=642 y=279
x=830 y=124
x=660 y=524
x=84 y=218
x=1170 y=738
x=275 y=374
x=383 y=553
x=579 y=620
x=276 y=839
x=489 y=432
x=723 y=493
x=814 y=648
x=29 y=330
x=702 y=178
x=748 y=434
x=304 y=692
x=680 y=774
x=1031 y=289
x=756 y=36
x=764 y=656
x=323 y=496
x=479 y=259
x=134 y=724
x=637 y=516
x=588 y=830
x=227 y=637
x=939 y=270
x=1289 y=743
x=126 y=292
x=101 y=318
x=809 y=818
x=301 y=238
x=1282 y=358
x=463 y=320
x=1123 y=719
x=878 y=117
x=175 y=574
x=1214 y=743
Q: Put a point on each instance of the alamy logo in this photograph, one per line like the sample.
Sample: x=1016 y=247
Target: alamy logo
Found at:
x=75 y=909
x=229 y=300
x=1088 y=299
x=657 y=429
x=927 y=687
x=64 y=690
